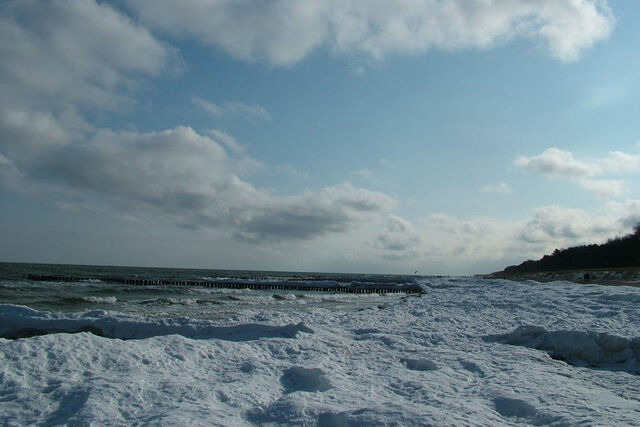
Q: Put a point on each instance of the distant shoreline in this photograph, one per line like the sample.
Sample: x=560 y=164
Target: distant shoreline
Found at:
x=623 y=276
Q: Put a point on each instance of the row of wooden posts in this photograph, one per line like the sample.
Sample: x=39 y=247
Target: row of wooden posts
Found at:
x=295 y=286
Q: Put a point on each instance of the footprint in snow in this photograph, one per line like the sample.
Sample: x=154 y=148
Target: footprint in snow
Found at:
x=420 y=364
x=366 y=331
x=472 y=367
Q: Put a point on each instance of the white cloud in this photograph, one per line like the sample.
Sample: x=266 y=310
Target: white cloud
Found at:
x=288 y=170
x=190 y=179
x=365 y=173
x=229 y=141
x=73 y=52
x=605 y=188
x=207 y=106
x=442 y=243
x=332 y=210
x=557 y=227
x=250 y=111
x=63 y=59
x=499 y=188
x=553 y=224
x=617 y=161
x=283 y=32
x=255 y=111
x=554 y=162
x=399 y=240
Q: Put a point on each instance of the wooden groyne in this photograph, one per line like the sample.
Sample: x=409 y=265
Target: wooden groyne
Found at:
x=238 y=284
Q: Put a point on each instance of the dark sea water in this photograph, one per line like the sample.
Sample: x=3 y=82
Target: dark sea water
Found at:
x=181 y=301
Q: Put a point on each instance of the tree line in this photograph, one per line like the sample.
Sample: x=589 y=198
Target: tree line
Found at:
x=618 y=252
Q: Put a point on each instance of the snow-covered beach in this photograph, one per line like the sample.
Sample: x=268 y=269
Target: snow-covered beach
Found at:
x=469 y=351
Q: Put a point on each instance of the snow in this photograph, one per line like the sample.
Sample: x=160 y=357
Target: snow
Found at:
x=467 y=352
x=578 y=347
x=18 y=321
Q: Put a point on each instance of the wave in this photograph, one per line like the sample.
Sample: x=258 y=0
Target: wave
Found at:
x=101 y=300
x=174 y=301
x=22 y=322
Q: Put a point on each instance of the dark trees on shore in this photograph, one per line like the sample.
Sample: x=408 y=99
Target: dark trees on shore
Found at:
x=617 y=252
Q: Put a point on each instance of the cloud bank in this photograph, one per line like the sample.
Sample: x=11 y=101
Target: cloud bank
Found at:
x=283 y=32
x=64 y=59
x=442 y=243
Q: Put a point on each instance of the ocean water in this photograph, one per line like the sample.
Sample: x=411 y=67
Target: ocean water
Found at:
x=173 y=301
x=467 y=351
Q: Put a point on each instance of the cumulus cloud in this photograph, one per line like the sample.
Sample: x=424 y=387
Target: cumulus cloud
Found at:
x=554 y=162
x=238 y=108
x=64 y=59
x=73 y=52
x=443 y=243
x=499 y=188
x=283 y=32
x=61 y=59
x=605 y=188
x=617 y=161
x=190 y=179
x=333 y=209
x=555 y=226
x=228 y=140
x=399 y=240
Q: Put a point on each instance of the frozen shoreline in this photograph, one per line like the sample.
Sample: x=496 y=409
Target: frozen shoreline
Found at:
x=469 y=351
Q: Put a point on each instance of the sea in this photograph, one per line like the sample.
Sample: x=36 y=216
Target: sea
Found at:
x=95 y=291
x=466 y=350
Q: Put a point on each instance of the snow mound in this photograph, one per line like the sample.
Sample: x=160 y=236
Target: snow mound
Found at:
x=23 y=322
x=287 y=410
x=299 y=378
x=420 y=364
x=593 y=349
x=513 y=407
x=508 y=407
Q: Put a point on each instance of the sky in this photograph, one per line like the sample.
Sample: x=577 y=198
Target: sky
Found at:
x=443 y=136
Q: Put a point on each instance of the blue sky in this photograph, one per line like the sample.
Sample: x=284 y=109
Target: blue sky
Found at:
x=443 y=136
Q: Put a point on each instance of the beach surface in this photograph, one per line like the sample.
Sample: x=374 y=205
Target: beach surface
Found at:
x=468 y=351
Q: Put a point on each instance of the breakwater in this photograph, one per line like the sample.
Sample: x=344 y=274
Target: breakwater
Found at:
x=306 y=286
